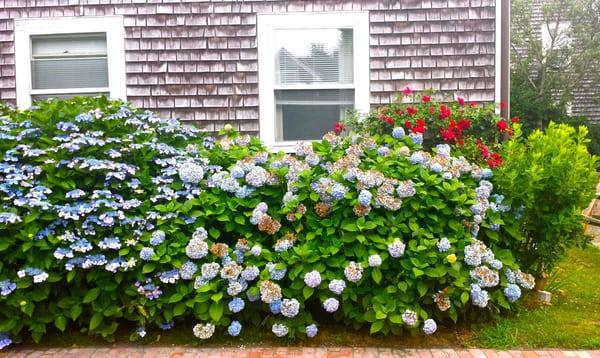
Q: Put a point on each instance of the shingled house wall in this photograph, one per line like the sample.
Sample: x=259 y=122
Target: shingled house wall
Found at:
x=197 y=60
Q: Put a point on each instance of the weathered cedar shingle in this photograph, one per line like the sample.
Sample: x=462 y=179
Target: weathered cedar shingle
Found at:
x=198 y=60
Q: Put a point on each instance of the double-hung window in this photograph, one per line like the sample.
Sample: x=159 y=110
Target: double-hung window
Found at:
x=65 y=57
x=313 y=68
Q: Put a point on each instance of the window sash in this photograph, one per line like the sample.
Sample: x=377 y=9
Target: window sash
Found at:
x=267 y=24
x=108 y=33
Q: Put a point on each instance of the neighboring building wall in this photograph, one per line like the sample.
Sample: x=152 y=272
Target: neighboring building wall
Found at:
x=585 y=97
x=198 y=60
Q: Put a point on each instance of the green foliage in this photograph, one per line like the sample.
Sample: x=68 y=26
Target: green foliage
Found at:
x=571 y=322
x=464 y=126
x=304 y=215
x=551 y=178
x=536 y=111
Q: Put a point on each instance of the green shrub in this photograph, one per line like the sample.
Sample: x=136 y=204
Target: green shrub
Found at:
x=550 y=177
x=110 y=215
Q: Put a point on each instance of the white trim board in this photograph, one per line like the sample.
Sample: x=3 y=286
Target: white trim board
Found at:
x=498 y=56
x=266 y=26
x=115 y=42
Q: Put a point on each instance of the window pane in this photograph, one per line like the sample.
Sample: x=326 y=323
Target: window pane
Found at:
x=69 y=73
x=308 y=114
x=314 y=56
x=68 y=45
x=69 y=61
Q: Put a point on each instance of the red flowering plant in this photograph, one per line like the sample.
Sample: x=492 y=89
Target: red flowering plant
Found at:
x=475 y=131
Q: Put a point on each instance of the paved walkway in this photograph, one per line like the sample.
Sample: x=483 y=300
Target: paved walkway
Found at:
x=285 y=352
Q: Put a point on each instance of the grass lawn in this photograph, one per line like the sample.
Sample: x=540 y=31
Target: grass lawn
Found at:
x=572 y=321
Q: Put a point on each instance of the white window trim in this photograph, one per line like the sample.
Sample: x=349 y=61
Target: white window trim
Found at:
x=115 y=46
x=268 y=23
x=498 y=56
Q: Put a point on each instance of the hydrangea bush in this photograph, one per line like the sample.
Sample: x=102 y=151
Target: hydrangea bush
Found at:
x=111 y=215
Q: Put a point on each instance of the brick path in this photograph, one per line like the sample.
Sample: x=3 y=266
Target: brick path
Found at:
x=285 y=352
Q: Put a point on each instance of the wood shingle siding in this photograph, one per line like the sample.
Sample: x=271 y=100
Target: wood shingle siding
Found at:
x=197 y=60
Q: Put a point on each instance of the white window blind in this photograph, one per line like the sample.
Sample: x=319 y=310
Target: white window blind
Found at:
x=306 y=59
x=74 y=64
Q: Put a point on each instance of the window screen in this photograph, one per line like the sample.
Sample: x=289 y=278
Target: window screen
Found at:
x=69 y=62
x=308 y=114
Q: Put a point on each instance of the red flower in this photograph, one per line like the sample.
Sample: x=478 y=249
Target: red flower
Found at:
x=447 y=135
x=399 y=112
x=483 y=149
x=515 y=119
x=502 y=105
x=495 y=160
x=407 y=91
x=426 y=99
x=460 y=101
x=411 y=111
x=420 y=126
x=464 y=124
x=502 y=125
x=408 y=125
x=339 y=127
x=432 y=109
x=445 y=112
x=473 y=104
x=386 y=118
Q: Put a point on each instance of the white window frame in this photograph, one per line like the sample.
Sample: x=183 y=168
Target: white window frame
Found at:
x=112 y=26
x=358 y=21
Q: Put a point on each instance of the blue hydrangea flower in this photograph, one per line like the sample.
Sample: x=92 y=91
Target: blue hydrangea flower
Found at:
x=383 y=151
x=236 y=305
x=337 y=286
x=443 y=244
x=234 y=328
x=167 y=326
x=312 y=279
x=275 y=273
x=7 y=287
x=188 y=269
x=331 y=305
x=157 y=238
x=280 y=330
x=5 y=340
x=364 y=197
x=141 y=331
x=417 y=138
x=311 y=330
x=275 y=306
x=250 y=273
x=512 y=292
x=398 y=132
x=146 y=253
x=429 y=326
x=396 y=248
x=190 y=172
x=338 y=191
x=479 y=297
